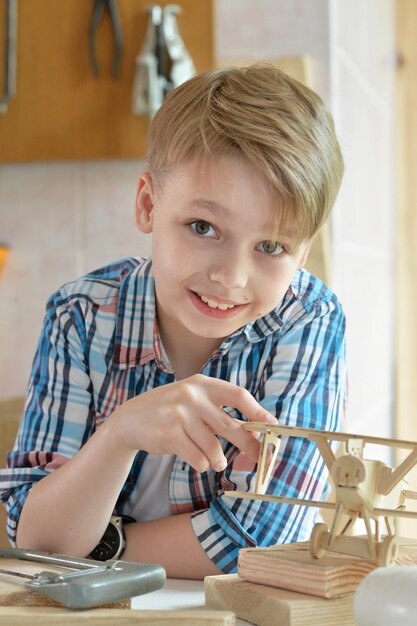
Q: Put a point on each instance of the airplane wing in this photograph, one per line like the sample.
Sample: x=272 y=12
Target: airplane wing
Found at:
x=322 y=438
x=315 y=503
x=278 y=499
x=314 y=434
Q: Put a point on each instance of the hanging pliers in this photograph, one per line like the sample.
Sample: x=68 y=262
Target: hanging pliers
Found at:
x=99 y=8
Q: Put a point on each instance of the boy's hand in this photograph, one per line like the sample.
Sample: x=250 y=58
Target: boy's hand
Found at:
x=184 y=418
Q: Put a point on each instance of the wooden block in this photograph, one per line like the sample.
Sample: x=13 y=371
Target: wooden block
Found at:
x=330 y=577
x=268 y=606
x=291 y=567
x=10 y=413
x=17 y=616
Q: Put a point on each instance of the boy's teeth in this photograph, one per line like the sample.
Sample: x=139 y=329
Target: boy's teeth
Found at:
x=215 y=305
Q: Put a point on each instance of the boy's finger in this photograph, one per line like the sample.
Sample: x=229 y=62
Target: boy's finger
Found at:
x=228 y=394
x=192 y=453
x=204 y=438
x=255 y=412
x=232 y=429
x=247 y=444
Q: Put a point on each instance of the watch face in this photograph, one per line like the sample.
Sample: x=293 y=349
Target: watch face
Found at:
x=109 y=544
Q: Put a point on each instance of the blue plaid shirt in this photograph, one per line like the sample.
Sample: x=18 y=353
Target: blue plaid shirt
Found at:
x=100 y=346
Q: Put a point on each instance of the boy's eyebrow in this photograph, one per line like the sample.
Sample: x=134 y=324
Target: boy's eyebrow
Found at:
x=213 y=207
x=217 y=209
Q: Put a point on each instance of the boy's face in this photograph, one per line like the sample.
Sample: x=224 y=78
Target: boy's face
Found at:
x=214 y=263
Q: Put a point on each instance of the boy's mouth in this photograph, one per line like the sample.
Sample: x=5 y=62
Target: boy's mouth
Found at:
x=213 y=308
x=216 y=305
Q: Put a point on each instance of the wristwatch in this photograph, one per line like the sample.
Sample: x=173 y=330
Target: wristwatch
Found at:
x=113 y=541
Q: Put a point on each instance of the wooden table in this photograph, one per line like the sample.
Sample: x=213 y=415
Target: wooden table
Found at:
x=177 y=594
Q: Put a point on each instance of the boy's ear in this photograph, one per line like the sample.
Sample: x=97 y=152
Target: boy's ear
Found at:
x=145 y=203
x=304 y=256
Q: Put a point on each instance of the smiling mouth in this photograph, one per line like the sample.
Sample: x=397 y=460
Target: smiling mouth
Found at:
x=216 y=305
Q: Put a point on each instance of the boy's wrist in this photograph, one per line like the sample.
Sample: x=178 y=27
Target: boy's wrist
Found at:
x=118 y=434
x=113 y=542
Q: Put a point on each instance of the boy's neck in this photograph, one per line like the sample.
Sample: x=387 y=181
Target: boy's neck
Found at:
x=187 y=357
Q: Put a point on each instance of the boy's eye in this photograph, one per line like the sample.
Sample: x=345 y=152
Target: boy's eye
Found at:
x=203 y=228
x=271 y=247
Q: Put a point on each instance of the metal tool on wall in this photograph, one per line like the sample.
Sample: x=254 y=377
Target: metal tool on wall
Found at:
x=10 y=55
x=99 y=8
x=163 y=63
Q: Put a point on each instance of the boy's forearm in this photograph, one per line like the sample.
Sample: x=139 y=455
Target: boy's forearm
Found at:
x=69 y=509
x=170 y=542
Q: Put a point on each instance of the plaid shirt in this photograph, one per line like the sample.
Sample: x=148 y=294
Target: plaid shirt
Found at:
x=100 y=346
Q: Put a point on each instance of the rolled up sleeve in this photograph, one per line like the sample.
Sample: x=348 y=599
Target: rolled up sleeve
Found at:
x=57 y=419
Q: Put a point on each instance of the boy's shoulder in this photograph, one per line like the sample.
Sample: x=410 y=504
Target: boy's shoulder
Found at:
x=309 y=291
x=104 y=287
x=104 y=283
x=307 y=294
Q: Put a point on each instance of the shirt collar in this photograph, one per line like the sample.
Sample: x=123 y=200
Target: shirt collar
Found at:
x=137 y=337
x=264 y=326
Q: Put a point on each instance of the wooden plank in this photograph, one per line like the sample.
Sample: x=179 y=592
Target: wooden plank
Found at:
x=10 y=413
x=268 y=606
x=291 y=567
x=24 y=616
x=330 y=577
x=61 y=111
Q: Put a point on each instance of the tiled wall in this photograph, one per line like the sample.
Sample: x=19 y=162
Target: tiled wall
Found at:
x=63 y=219
x=266 y=29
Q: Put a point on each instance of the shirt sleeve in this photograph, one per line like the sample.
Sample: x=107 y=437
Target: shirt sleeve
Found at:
x=58 y=417
x=303 y=384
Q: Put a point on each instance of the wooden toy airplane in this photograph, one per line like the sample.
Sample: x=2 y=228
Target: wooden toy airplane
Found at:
x=364 y=488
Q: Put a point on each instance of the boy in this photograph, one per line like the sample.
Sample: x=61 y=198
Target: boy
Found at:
x=146 y=369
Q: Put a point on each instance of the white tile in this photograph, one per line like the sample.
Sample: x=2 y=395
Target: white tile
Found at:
x=108 y=206
x=95 y=259
x=267 y=29
x=266 y=26
x=38 y=205
x=25 y=285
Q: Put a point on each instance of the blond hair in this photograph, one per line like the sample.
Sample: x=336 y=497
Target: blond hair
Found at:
x=278 y=126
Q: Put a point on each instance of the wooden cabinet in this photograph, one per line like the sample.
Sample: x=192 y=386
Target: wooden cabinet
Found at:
x=61 y=111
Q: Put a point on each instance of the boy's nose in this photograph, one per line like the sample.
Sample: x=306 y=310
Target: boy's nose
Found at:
x=229 y=270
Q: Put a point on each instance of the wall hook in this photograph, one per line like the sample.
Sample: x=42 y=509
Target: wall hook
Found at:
x=163 y=63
